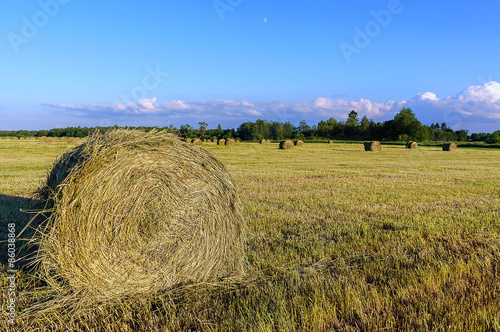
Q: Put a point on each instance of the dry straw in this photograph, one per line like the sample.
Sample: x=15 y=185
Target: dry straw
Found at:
x=449 y=147
x=330 y=142
x=221 y=141
x=72 y=140
x=136 y=212
x=268 y=141
x=197 y=142
x=412 y=145
x=372 y=146
x=286 y=145
x=298 y=142
x=230 y=142
x=263 y=141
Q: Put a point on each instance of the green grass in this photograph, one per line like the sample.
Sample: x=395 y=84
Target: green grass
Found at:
x=339 y=239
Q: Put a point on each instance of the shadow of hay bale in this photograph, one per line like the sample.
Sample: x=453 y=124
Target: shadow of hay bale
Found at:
x=16 y=210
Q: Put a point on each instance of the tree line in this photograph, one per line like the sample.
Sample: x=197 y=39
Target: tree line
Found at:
x=404 y=127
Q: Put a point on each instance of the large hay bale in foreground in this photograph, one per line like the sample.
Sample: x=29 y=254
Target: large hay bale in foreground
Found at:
x=221 y=141
x=449 y=147
x=137 y=212
x=197 y=142
x=298 y=142
x=230 y=142
x=412 y=145
x=286 y=145
x=372 y=146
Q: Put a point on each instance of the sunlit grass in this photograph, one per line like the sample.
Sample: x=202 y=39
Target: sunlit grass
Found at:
x=339 y=239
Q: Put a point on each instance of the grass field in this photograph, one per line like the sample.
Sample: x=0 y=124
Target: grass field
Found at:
x=339 y=239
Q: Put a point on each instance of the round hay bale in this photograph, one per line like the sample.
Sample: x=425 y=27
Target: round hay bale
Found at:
x=230 y=142
x=268 y=141
x=137 y=212
x=449 y=147
x=298 y=142
x=49 y=140
x=187 y=140
x=263 y=141
x=221 y=141
x=373 y=146
x=412 y=145
x=286 y=145
x=330 y=142
x=205 y=140
x=197 y=142
x=238 y=141
x=72 y=140
x=15 y=138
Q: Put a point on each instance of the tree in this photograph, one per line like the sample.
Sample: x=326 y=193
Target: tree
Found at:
x=405 y=123
x=353 y=119
x=203 y=127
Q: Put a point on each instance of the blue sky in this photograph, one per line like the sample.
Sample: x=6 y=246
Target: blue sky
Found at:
x=88 y=63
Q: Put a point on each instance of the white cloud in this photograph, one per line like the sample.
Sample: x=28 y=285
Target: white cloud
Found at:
x=476 y=108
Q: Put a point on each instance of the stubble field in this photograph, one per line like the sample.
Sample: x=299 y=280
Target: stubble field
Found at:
x=338 y=239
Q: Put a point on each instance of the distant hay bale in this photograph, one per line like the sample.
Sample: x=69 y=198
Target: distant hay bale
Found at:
x=372 y=146
x=230 y=142
x=286 y=145
x=49 y=140
x=298 y=142
x=268 y=141
x=237 y=141
x=330 y=142
x=412 y=145
x=187 y=140
x=221 y=141
x=263 y=141
x=15 y=138
x=137 y=212
x=22 y=138
x=197 y=142
x=205 y=140
x=72 y=140
x=449 y=147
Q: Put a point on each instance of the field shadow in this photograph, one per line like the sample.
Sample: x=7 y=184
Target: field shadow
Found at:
x=22 y=212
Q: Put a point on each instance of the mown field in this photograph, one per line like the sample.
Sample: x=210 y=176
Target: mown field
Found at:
x=338 y=239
